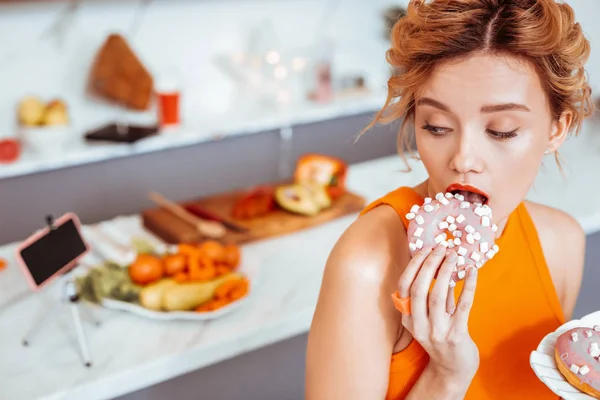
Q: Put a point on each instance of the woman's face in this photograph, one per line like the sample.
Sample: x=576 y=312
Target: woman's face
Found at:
x=485 y=121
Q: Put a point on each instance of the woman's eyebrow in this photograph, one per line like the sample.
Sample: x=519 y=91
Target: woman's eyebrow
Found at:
x=484 y=110
x=504 y=107
x=427 y=101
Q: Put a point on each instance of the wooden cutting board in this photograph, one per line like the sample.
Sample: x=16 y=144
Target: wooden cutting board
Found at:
x=279 y=222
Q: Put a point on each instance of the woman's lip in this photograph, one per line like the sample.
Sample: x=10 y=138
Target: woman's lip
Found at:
x=468 y=188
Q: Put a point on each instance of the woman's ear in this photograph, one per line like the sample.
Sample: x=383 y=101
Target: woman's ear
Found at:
x=560 y=129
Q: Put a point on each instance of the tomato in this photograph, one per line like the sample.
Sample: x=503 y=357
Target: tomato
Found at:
x=10 y=150
x=146 y=269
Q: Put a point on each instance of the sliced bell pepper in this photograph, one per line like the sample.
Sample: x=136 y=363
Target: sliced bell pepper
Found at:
x=255 y=203
x=323 y=169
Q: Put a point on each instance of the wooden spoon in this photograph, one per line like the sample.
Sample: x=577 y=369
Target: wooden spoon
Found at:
x=211 y=229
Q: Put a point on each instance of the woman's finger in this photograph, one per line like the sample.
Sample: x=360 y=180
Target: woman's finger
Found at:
x=450 y=302
x=411 y=271
x=465 y=300
x=439 y=293
x=419 y=291
x=407 y=322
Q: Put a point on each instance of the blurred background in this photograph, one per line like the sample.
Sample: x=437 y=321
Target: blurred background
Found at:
x=242 y=70
x=104 y=100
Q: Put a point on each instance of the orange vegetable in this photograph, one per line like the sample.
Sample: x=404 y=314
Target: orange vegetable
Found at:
x=213 y=250
x=240 y=290
x=194 y=267
x=212 y=305
x=255 y=203
x=232 y=255
x=3 y=264
x=322 y=169
x=216 y=304
x=226 y=293
x=222 y=269
x=174 y=264
x=146 y=269
x=181 y=277
x=232 y=290
x=205 y=307
x=208 y=274
x=187 y=249
x=224 y=290
x=201 y=268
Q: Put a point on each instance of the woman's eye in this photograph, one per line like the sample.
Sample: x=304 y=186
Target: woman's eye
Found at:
x=436 y=130
x=502 y=135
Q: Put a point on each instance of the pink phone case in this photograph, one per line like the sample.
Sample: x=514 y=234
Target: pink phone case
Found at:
x=39 y=234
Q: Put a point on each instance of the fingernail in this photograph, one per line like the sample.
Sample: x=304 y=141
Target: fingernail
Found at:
x=439 y=250
x=426 y=250
x=451 y=256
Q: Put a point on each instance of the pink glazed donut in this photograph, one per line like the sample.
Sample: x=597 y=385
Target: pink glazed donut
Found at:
x=457 y=224
x=577 y=356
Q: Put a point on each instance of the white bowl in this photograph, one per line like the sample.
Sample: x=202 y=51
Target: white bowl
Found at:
x=46 y=140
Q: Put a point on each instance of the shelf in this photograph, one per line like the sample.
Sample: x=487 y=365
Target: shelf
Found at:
x=81 y=153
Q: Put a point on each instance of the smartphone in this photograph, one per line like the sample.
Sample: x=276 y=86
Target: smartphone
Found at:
x=51 y=252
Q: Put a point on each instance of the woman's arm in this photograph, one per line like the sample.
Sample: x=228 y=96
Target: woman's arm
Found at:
x=433 y=385
x=355 y=325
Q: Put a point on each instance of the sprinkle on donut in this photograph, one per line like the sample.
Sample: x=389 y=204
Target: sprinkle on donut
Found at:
x=577 y=355
x=457 y=224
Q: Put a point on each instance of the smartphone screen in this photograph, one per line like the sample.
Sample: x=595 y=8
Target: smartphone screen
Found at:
x=53 y=251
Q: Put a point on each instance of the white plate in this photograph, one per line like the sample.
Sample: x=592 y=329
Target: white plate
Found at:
x=248 y=267
x=544 y=366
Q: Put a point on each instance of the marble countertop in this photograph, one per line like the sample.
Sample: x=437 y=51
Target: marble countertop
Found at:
x=130 y=352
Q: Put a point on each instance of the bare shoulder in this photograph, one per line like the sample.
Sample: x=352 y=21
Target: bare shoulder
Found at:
x=563 y=243
x=557 y=231
x=369 y=247
x=355 y=325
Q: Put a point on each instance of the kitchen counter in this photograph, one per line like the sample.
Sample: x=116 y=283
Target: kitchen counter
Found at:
x=131 y=352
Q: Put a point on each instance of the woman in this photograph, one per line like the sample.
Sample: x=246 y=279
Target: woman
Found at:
x=488 y=87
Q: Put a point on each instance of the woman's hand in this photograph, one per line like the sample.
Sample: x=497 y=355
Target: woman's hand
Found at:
x=435 y=321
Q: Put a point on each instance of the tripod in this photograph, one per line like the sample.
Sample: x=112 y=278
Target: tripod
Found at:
x=72 y=296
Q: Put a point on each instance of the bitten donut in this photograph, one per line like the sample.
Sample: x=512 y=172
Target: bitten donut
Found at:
x=457 y=224
x=577 y=353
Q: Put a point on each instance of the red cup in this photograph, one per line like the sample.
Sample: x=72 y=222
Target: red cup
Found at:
x=169 y=99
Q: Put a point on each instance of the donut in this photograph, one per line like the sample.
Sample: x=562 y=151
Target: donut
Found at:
x=458 y=224
x=577 y=353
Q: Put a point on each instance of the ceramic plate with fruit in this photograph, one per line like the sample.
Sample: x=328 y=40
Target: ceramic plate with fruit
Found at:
x=194 y=282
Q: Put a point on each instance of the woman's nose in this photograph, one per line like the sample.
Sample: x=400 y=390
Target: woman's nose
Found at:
x=467 y=157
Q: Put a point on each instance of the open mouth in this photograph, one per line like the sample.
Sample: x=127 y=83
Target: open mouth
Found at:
x=470 y=193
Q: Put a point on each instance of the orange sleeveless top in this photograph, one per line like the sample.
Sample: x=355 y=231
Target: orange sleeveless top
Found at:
x=515 y=306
